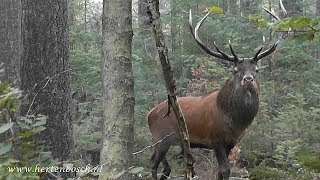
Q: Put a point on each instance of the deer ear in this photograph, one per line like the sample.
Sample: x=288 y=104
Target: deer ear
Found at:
x=258 y=64
x=226 y=65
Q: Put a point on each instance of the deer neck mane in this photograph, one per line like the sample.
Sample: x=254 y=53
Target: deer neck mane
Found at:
x=239 y=103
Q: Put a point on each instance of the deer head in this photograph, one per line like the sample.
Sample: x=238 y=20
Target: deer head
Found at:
x=244 y=69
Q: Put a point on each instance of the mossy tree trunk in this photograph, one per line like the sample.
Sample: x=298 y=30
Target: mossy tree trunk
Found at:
x=117 y=87
x=45 y=73
x=10 y=47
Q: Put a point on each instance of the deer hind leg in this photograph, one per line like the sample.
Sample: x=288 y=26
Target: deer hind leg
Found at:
x=158 y=156
x=222 y=158
x=166 y=169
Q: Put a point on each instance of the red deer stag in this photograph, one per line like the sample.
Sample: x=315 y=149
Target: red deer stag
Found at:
x=216 y=120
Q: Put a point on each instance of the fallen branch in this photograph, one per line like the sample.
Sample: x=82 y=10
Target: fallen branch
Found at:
x=148 y=147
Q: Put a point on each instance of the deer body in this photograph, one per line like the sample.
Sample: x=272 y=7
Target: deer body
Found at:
x=208 y=117
x=214 y=121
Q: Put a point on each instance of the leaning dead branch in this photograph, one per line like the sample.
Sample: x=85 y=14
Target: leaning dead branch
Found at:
x=154 y=14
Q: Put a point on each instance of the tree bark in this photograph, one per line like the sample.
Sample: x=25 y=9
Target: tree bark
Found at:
x=117 y=87
x=45 y=73
x=10 y=38
x=175 y=26
x=317 y=49
x=318 y=8
x=144 y=21
x=85 y=24
x=154 y=14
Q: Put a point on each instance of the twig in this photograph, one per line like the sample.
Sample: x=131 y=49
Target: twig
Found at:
x=53 y=175
x=35 y=85
x=47 y=82
x=282 y=35
x=146 y=49
x=208 y=160
x=148 y=147
x=271 y=13
x=285 y=13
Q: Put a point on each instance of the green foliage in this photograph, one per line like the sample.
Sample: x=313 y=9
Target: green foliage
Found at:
x=87 y=141
x=260 y=22
x=85 y=29
x=19 y=154
x=86 y=71
x=304 y=28
x=215 y=9
x=290 y=93
x=309 y=159
x=285 y=152
x=263 y=172
x=6 y=127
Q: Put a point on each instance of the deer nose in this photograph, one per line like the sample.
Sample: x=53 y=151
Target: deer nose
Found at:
x=248 y=78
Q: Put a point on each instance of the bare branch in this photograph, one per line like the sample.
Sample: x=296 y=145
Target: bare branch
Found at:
x=285 y=13
x=49 y=79
x=272 y=13
x=148 y=147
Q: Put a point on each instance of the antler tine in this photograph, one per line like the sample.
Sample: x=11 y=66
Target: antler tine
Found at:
x=195 y=35
x=257 y=53
x=219 y=51
x=266 y=52
x=233 y=53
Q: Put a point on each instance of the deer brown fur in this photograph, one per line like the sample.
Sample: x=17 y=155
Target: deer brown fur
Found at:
x=216 y=120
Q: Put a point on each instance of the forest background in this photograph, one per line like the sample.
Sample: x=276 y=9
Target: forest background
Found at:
x=284 y=139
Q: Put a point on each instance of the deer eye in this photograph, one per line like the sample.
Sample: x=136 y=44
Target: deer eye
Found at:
x=257 y=69
x=235 y=70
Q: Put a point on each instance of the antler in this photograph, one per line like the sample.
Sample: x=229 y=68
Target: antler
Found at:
x=219 y=54
x=265 y=53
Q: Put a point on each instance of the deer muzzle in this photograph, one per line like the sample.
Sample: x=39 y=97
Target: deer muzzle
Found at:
x=247 y=80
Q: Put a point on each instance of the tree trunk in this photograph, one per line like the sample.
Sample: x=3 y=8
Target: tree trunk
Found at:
x=117 y=87
x=144 y=21
x=175 y=26
x=45 y=73
x=10 y=38
x=148 y=50
x=318 y=8
x=85 y=24
x=317 y=50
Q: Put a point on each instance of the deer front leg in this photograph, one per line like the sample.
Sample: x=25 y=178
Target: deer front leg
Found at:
x=224 y=169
